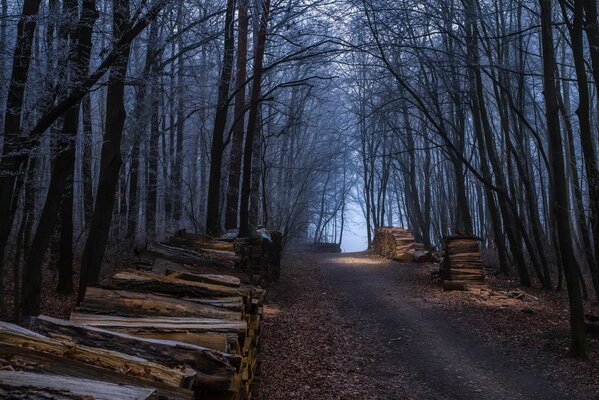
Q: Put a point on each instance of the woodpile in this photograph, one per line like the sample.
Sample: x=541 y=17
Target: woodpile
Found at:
x=324 y=247
x=183 y=323
x=398 y=244
x=461 y=267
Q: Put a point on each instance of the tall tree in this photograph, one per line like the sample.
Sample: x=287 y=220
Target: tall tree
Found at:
x=558 y=182
x=252 y=126
x=236 y=154
x=61 y=188
x=13 y=136
x=110 y=161
x=213 y=218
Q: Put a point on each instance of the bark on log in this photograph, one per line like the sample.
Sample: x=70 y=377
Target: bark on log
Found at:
x=213 y=369
x=17 y=385
x=17 y=336
x=228 y=303
x=197 y=241
x=147 y=282
x=163 y=266
x=179 y=254
x=134 y=304
x=224 y=280
x=213 y=341
x=198 y=325
x=26 y=359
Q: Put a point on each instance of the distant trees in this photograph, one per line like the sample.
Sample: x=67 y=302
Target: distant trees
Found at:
x=108 y=139
x=499 y=148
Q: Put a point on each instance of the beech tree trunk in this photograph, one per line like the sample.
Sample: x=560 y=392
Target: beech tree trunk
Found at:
x=110 y=162
x=232 y=209
x=213 y=226
x=584 y=119
x=558 y=184
x=244 y=221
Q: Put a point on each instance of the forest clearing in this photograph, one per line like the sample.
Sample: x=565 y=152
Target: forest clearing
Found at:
x=311 y=199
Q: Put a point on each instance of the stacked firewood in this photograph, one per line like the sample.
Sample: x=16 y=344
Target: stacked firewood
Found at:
x=183 y=323
x=461 y=267
x=398 y=244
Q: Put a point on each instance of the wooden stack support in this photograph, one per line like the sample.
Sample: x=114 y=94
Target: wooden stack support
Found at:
x=461 y=267
x=185 y=323
x=398 y=244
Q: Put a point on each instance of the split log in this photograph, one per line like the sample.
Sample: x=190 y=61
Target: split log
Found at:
x=183 y=258
x=198 y=325
x=162 y=266
x=26 y=385
x=147 y=282
x=178 y=253
x=26 y=359
x=213 y=369
x=214 y=341
x=228 y=303
x=135 y=304
x=17 y=336
x=197 y=241
x=461 y=261
x=224 y=280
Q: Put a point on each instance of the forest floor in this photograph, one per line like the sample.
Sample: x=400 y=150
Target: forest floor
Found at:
x=354 y=326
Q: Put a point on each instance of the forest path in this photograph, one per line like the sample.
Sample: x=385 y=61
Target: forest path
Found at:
x=350 y=326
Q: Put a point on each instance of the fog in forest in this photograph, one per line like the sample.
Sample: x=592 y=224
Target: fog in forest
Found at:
x=125 y=121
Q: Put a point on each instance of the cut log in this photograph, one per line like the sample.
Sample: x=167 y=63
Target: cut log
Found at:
x=26 y=385
x=421 y=256
x=147 y=282
x=134 y=304
x=213 y=370
x=26 y=359
x=461 y=261
x=224 y=280
x=162 y=266
x=228 y=303
x=213 y=341
x=186 y=256
x=198 y=325
x=196 y=241
x=17 y=336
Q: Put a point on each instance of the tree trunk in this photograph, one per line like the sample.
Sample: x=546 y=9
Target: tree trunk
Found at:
x=152 y=163
x=110 y=162
x=239 y=114
x=61 y=179
x=213 y=226
x=88 y=183
x=560 y=206
x=244 y=221
x=584 y=118
x=12 y=157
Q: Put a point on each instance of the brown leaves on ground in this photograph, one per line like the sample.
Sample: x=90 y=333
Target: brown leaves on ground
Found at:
x=309 y=351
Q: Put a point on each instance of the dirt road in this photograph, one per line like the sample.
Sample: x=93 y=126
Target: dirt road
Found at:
x=356 y=327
